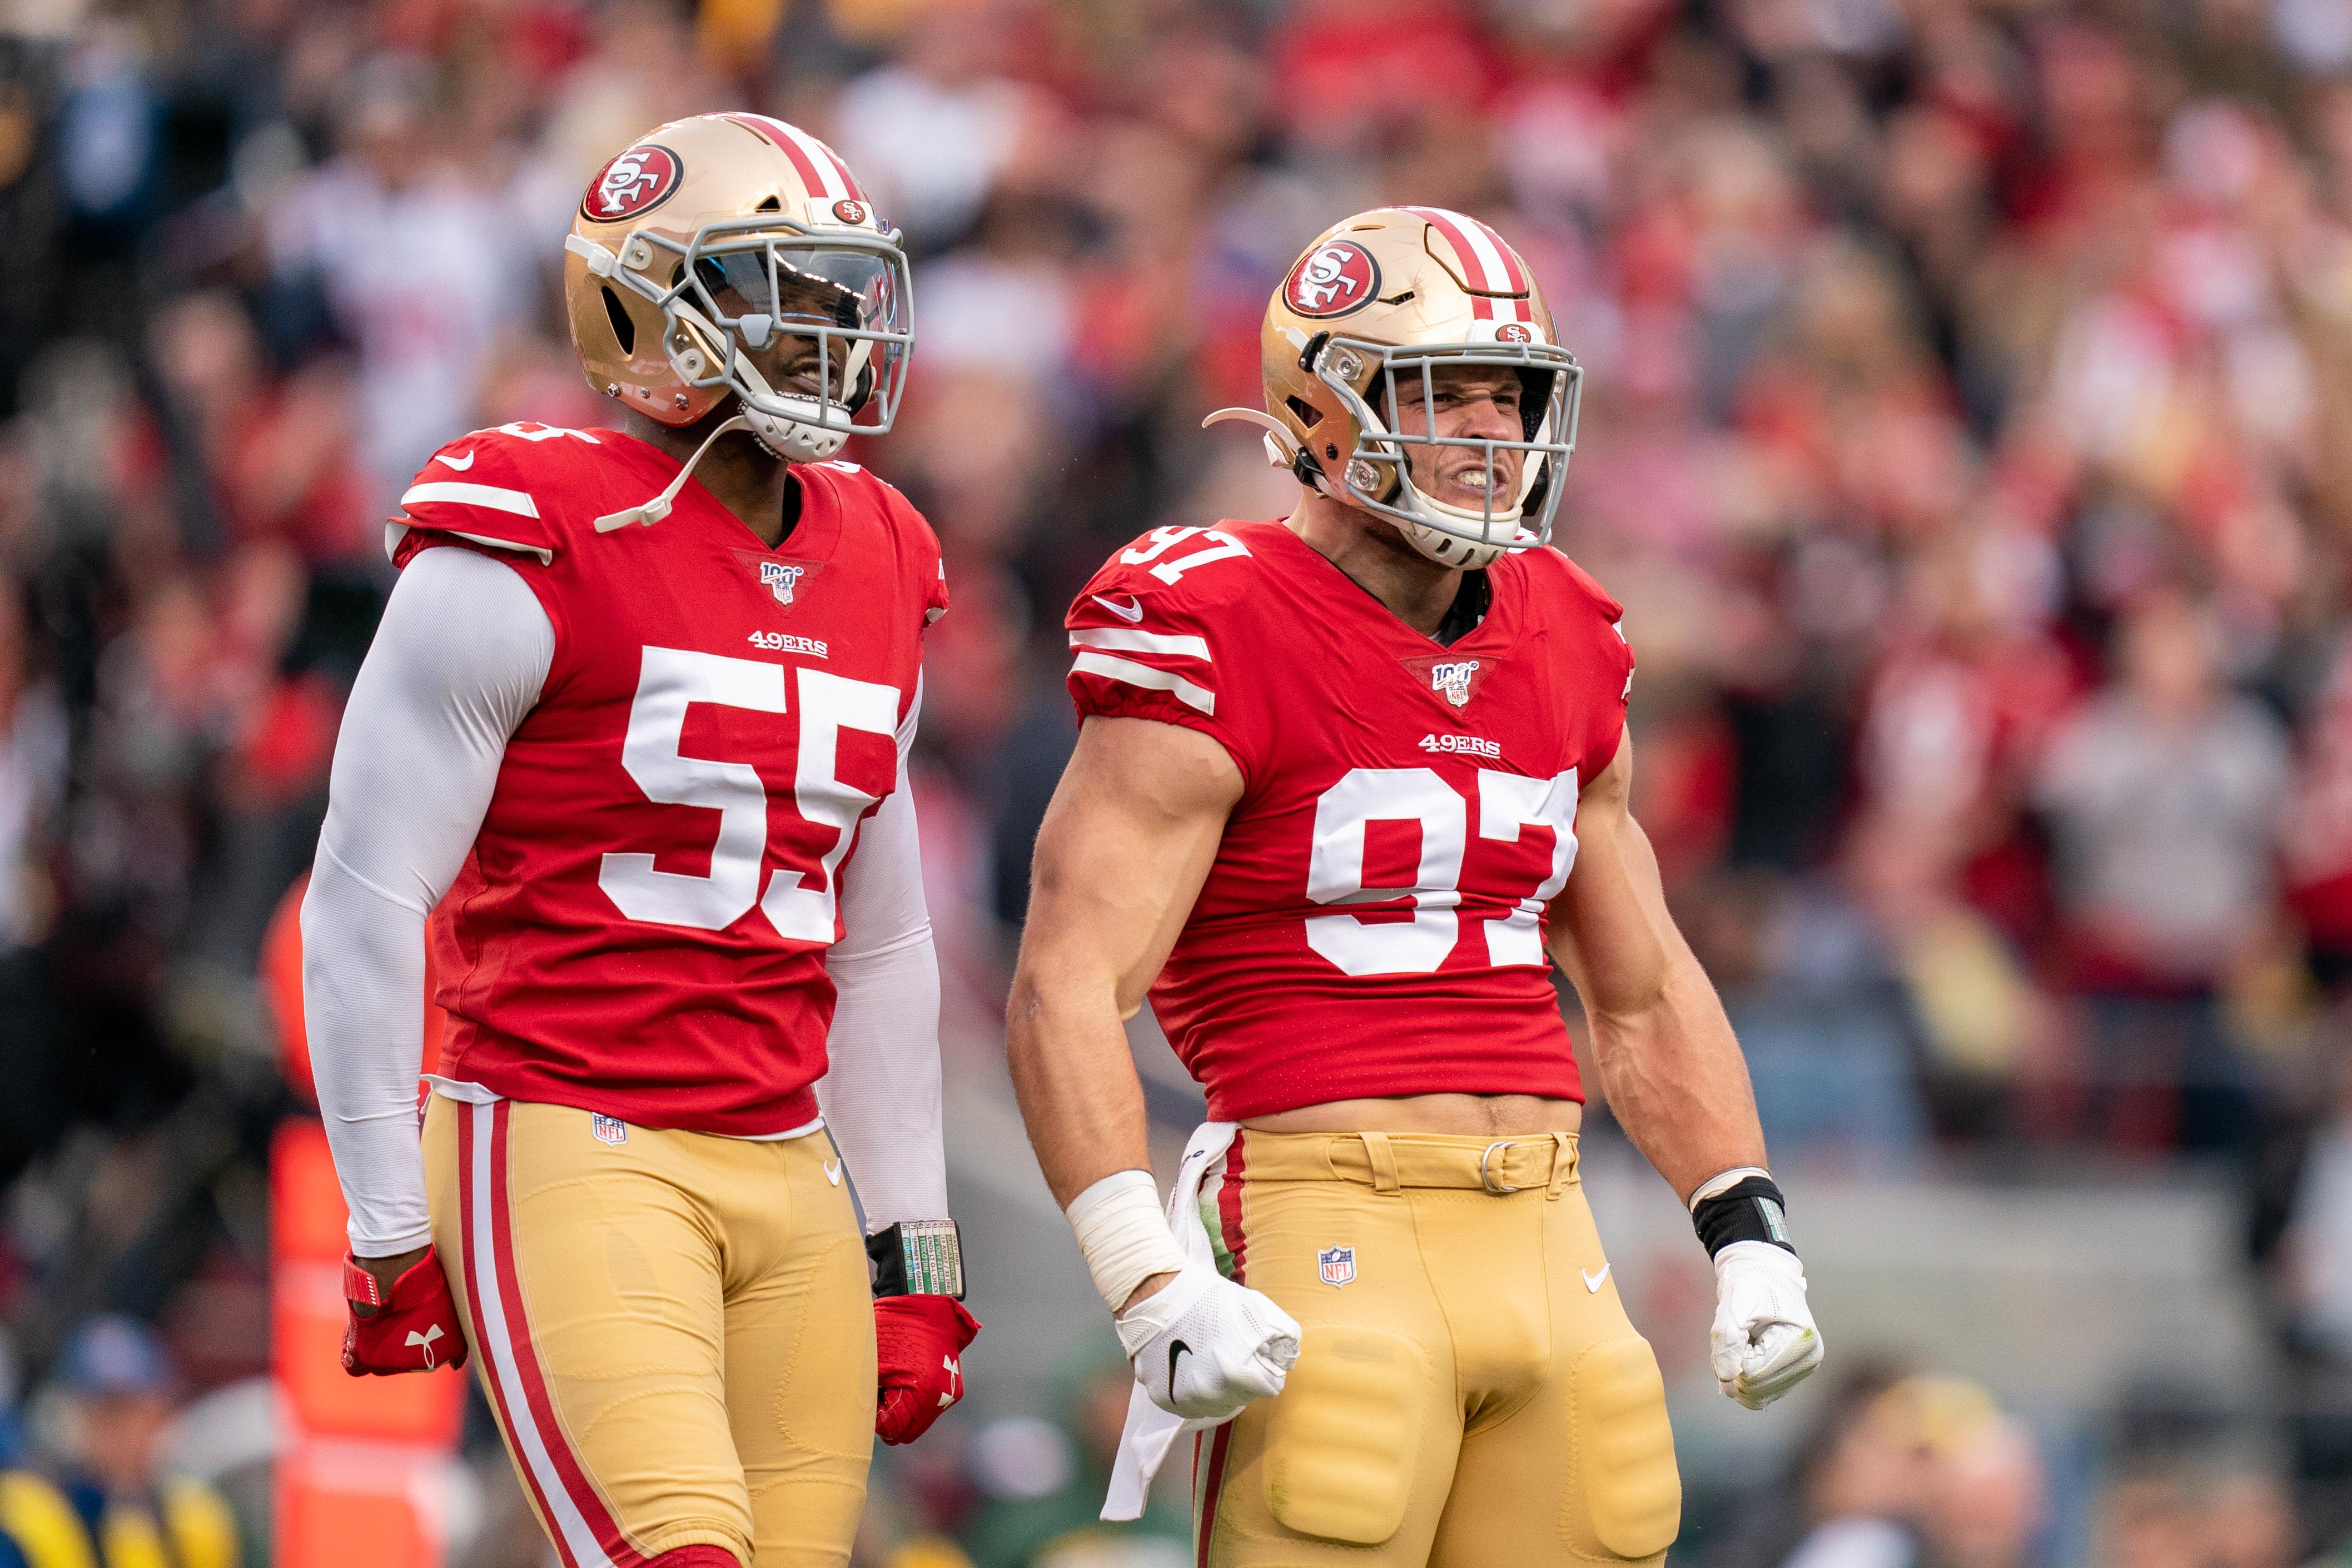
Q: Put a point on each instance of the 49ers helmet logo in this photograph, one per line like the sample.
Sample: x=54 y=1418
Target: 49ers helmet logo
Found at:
x=1515 y=332
x=1335 y=277
x=852 y=212
x=637 y=180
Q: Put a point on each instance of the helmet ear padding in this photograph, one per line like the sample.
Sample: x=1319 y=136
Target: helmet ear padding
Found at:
x=1534 y=398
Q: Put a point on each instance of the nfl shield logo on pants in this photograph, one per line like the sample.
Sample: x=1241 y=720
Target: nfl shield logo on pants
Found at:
x=1337 y=1264
x=609 y=1129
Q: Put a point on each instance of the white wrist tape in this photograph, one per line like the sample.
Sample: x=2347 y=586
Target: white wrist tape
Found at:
x=1123 y=1234
x=1724 y=1181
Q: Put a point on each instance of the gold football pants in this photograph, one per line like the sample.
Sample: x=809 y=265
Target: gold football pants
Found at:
x=1468 y=1390
x=675 y=1330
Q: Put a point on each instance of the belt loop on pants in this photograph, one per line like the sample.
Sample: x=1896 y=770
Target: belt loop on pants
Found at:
x=1563 y=1164
x=1384 y=1161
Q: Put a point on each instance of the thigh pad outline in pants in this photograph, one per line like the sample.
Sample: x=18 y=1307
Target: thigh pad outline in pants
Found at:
x=1343 y=1440
x=591 y=1276
x=800 y=1372
x=1349 y=1464
x=1583 y=1472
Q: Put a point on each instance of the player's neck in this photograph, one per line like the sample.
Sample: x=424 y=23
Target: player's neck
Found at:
x=1375 y=556
x=742 y=475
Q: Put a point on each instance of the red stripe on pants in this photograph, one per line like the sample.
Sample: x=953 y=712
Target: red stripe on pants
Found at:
x=469 y=1208
x=576 y=1484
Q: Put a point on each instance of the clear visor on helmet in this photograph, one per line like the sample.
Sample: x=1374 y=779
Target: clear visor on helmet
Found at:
x=809 y=326
x=1485 y=488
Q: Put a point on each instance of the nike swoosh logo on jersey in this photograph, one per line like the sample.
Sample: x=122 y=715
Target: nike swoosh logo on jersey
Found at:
x=833 y=1172
x=460 y=467
x=1131 y=611
x=1592 y=1281
x=1176 y=1347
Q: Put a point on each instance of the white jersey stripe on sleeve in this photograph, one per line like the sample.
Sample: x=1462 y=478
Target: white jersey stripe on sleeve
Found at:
x=493 y=496
x=1134 y=674
x=1120 y=637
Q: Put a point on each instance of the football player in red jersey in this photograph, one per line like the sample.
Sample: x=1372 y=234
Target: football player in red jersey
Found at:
x=1343 y=782
x=637 y=699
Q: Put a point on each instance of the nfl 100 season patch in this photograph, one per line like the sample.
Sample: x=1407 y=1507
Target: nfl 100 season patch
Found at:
x=1451 y=679
x=781 y=578
x=786 y=580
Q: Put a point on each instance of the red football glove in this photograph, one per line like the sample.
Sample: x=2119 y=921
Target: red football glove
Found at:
x=414 y=1329
x=917 y=1341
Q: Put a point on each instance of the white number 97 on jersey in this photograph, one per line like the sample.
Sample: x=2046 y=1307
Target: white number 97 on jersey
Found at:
x=669 y=681
x=1506 y=802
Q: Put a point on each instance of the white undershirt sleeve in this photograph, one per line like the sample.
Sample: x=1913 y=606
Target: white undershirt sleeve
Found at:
x=881 y=1094
x=457 y=661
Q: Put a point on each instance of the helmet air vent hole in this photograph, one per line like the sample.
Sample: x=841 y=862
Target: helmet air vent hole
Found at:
x=770 y=205
x=625 y=331
x=1329 y=450
x=1306 y=414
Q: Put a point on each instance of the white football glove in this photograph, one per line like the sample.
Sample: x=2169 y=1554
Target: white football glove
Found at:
x=1764 y=1340
x=1203 y=1346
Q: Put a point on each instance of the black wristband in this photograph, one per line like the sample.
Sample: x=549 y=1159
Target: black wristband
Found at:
x=1752 y=1210
x=916 y=1258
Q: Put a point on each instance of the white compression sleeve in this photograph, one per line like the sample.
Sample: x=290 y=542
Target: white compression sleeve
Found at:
x=458 y=659
x=881 y=1094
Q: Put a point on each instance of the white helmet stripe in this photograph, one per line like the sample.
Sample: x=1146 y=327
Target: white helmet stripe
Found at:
x=820 y=157
x=1482 y=250
x=1475 y=247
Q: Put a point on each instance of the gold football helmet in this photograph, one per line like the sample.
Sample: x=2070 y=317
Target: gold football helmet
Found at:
x=716 y=246
x=1409 y=291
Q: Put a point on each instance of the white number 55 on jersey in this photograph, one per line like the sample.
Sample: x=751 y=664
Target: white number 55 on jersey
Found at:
x=669 y=681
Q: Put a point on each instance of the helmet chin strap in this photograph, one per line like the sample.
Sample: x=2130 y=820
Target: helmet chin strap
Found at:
x=786 y=439
x=794 y=440
x=655 y=510
x=1482 y=521
x=1453 y=549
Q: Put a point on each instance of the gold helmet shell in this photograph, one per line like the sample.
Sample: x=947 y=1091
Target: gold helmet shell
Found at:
x=1410 y=291
x=709 y=240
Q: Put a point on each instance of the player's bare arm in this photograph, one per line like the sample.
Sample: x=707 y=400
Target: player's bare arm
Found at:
x=1677 y=1082
x=1128 y=836
x=1669 y=1063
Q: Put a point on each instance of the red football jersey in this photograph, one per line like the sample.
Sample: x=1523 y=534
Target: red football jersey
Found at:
x=641 y=927
x=1373 y=923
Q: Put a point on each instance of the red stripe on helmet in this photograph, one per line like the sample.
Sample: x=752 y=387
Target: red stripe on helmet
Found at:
x=847 y=178
x=1510 y=258
x=1450 y=224
x=811 y=181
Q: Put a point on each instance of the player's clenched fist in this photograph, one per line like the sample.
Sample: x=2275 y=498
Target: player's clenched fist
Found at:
x=918 y=1346
x=1203 y=1346
x=410 y=1327
x=1764 y=1342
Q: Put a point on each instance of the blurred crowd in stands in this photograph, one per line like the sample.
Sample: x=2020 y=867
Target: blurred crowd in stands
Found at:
x=1968 y=387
